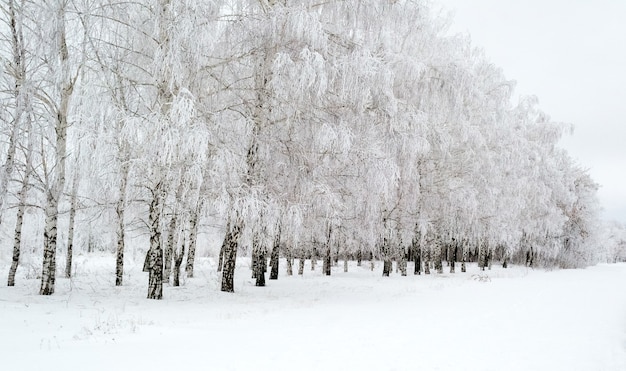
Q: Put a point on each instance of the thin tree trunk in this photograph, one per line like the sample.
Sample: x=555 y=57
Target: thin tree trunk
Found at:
x=402 y=262
x=417 y=256
x=169 y=247
x=21 y=100
x=482 y=256
x=172 y=236
x=220 y=262
x=327 y=260
x=275 y=256
x=465 y=251
x=427 y=260
x=345 y=265
x=254 y=263
x=452 y=256
x=120 y=210
x=260 y=269
x=193 y=240
x=19 y=220
x=359 y=258
x=438 y=256
x=231 y=242
x=178 y=261
x=259 y=264
x=289 y=259
x=313 y=259
x=530 y=257
x=72 y=222
x=301 y=266
x=387 y=265
x=17 y=242
x=178 y=255
x=327 y=266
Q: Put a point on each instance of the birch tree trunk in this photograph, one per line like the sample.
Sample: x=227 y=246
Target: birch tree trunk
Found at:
x=177 y=255
x=275 y=256
x=21 y=99
x=154 y=257
x=17 y=242
x=231 y=242
x=465 y=252
x=48 y=272
x=21 y=209
x=21 y=104
x=452 y=255
x=254 y=263
x=402 y=262
x=417 y=255
x=169 y=248
x=259 y=263
x=327 y=260
x=289 y=259
x=172 y=236
x=193 y=240
x=120 y=211
x=530 y=257
x=482 y=256
x=387 y=265
x=437 y=246
x=327 y=252
x=178 y=261
x=301 y=266
x=426 y=257
x=55 y=187
x=70 y=232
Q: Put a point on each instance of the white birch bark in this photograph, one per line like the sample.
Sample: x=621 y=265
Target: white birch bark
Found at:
x=21 y=209
x=20 y=96
x=72 y=223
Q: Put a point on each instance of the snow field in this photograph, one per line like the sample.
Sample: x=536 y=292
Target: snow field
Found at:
x=503 y=319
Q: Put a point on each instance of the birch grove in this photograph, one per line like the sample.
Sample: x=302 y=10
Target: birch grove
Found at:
x=290 y=129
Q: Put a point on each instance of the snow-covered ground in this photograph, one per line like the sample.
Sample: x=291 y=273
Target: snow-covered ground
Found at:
x=503 y=319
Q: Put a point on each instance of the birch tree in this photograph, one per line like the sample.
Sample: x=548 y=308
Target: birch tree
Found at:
x=63 y=64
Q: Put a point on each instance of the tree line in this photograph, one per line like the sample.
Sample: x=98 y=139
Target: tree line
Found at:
x=310 y=128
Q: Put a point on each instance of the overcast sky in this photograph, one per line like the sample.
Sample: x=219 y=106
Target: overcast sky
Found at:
x=571 y=54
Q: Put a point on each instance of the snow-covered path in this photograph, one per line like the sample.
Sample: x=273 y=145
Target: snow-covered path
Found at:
x=514 y=319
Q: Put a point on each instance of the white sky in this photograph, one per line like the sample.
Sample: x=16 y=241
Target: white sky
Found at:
x=571 y=54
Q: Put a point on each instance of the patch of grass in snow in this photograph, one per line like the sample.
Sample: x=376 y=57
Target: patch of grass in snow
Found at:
x=481 y=277
x=110 y=325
